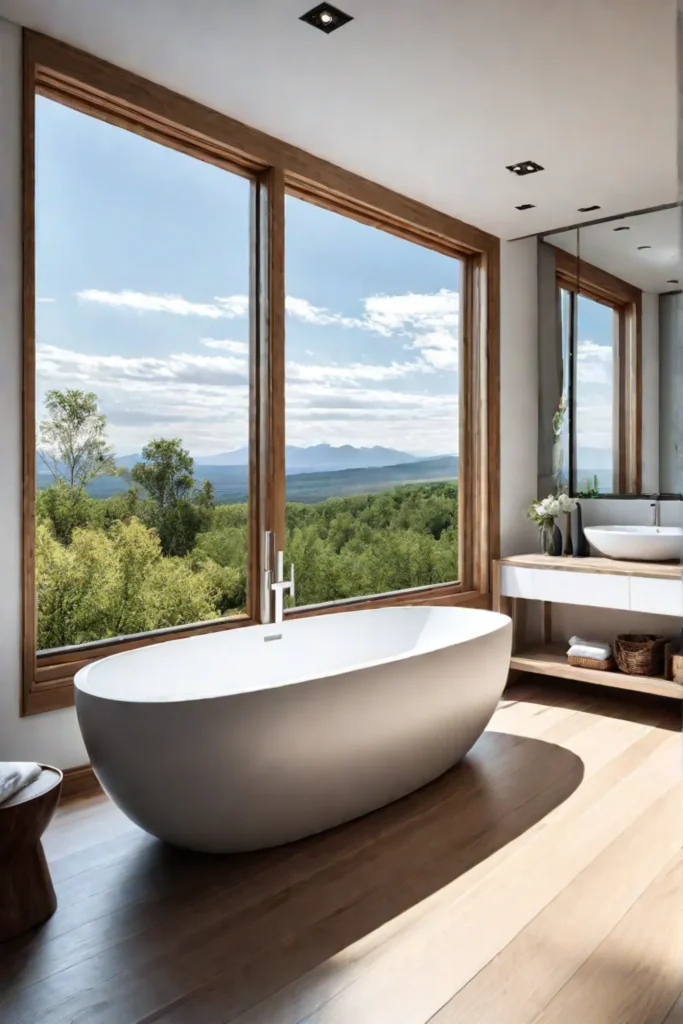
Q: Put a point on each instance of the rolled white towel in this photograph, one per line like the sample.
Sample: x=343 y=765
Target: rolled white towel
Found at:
x=14 y=775
x=599 y=652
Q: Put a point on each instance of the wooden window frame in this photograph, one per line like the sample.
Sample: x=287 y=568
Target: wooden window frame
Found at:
x=101 y=89
x=582 y=278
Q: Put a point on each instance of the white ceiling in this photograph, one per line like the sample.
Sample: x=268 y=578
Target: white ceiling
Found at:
x=617 y=251
x=430 y=97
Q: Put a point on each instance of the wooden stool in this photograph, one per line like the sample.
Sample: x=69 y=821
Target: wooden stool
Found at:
x=27 y=896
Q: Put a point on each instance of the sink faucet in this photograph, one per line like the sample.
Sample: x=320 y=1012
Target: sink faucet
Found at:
x=656 y=516
x=278 y=586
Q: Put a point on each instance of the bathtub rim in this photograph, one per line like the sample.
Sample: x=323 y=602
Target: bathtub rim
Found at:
x=499 y=622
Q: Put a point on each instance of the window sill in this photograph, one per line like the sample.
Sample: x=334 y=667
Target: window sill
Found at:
x=51 y=686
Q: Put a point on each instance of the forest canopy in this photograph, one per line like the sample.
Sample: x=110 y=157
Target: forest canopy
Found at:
x=164 y=553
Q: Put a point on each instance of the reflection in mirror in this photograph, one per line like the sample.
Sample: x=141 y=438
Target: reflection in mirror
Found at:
x=557 y=278
x=619 y=329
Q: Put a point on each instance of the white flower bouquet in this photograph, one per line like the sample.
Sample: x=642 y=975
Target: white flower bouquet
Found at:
x=544 y=513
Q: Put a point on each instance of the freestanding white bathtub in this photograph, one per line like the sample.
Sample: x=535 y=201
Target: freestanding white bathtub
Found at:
x=235 y=741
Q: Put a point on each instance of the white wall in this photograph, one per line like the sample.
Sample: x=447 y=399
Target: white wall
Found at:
x=51 y=738
x=518 y=394
x=650 y=393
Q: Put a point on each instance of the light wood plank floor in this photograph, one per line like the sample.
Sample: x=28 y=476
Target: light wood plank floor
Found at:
x=540 y=882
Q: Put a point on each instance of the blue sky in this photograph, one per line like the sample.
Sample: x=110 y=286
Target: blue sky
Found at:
x=142 y=278
x=141 y=283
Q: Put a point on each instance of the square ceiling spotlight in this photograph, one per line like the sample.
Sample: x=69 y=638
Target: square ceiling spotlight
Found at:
x=525 y=167
x=326 y=17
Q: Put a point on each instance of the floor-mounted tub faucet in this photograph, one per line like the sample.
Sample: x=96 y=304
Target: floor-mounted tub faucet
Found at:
x=278 y=585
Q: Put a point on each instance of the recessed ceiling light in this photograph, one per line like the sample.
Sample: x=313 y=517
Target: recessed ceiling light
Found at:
x=644 y=247
x=526 y=206
x=673 y=281
x=525 y=167
x=622 y=228
x=326 y=17
x=588 y=209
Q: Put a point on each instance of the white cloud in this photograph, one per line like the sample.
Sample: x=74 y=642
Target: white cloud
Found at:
x=353 y=372
x=234 y=305
x=430 y=320
x=142 y=302
x=204 y=399
x=388 y=314
x=439 y=349
x=44 y=298
x=239 y=348
x=594 y=363
x=302 y=309
x=440 y=359
x=594 y=425
x=59 y=364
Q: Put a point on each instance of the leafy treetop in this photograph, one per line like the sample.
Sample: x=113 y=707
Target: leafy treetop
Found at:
x=72 y=442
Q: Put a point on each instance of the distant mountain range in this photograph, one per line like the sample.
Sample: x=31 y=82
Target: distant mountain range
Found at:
x=318 y=458
x=303 y=483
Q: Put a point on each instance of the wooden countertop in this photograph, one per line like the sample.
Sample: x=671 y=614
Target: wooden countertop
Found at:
x=611 y=566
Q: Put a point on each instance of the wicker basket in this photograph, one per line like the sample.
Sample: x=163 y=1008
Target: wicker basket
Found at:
x=594 y=663
x=640 y=654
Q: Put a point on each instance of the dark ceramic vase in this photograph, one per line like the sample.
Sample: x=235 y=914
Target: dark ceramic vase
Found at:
x=580 y=546
x=557 y=541
x=551 y=540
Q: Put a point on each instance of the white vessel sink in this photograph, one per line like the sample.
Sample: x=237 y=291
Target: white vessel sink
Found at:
x=638 y=543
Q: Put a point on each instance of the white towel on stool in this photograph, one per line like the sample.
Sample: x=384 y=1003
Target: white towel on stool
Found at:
x=14 y=775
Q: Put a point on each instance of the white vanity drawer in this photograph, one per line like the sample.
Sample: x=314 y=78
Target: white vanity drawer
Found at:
x=660 y=597
x=516 y=582
x=586 y=588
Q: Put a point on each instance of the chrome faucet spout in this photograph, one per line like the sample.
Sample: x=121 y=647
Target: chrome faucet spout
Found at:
x=656 y=514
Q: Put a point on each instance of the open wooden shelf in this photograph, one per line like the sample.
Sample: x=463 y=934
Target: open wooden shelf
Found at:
x=552 y=661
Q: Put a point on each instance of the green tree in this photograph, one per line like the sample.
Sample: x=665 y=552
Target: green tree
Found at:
x=73 y=442
x=116 y=583
x=65 y=508
x=205 y=495
x=166 y=472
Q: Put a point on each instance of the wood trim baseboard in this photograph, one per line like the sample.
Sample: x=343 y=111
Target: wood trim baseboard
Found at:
x=79 y=781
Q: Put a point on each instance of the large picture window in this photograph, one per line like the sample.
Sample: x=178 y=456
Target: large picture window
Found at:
x=372 y=425
x=232 y=348
x=142 y=383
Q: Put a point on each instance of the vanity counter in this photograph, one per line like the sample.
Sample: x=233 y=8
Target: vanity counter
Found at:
x=610 y=566
x=651 y=587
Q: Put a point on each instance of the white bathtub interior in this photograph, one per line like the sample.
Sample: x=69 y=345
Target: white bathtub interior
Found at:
x=241 y=660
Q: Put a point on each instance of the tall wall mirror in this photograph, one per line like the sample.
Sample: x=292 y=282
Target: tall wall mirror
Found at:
x=611 y=357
